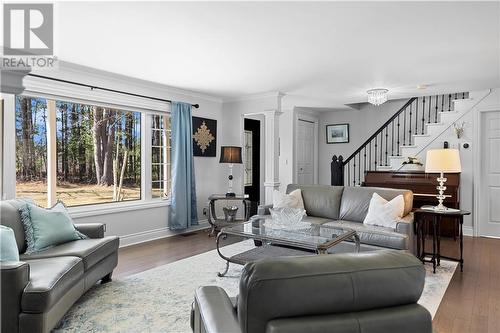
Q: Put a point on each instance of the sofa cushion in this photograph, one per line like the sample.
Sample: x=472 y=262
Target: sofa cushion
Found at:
x=91 y=251
x=320 y=200
x=50 y=279
x=10 y=217
x=356 y=200
x=374 y=235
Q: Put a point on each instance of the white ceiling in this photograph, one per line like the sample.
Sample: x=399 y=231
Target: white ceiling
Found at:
x=331 y=51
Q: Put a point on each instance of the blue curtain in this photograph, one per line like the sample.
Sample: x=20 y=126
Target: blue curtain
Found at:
x=182 y=213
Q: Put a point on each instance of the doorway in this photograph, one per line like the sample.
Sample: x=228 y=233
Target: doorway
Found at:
x=251 y=146
x=489 y=217
x=305 y=151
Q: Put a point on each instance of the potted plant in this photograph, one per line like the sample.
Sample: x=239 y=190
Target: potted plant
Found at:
x=412 y=163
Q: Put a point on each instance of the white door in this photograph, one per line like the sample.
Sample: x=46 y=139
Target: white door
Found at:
x=490 y=176
x=305 y=152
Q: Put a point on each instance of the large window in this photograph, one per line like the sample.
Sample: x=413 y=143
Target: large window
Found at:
x=31 y=149
x=98 y=157
x=160 y=172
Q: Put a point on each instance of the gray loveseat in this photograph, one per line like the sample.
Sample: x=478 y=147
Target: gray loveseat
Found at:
x=370 y=292
x=348 y=206
x=38 y=290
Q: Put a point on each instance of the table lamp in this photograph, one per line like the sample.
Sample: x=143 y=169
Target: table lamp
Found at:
x=231 y=155
x=442 y=161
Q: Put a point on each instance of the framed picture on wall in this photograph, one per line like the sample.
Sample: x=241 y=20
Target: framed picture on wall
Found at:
x=337 y=133
x=204 y=137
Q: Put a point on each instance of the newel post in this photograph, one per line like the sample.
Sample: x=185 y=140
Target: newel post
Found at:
x=337 y=171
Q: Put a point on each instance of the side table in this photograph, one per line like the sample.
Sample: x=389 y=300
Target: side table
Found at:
x=218 y=223
x=435 y=217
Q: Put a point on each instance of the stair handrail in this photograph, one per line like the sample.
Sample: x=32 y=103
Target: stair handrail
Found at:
x=394 y=116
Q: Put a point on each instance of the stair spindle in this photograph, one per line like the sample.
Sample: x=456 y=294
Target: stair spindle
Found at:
x=449 y=102
x=397 y=146
x=404 y=128
x=392 y=138
x=386 y=141
x=423 y=115
x=436 y=118
x=409 y=125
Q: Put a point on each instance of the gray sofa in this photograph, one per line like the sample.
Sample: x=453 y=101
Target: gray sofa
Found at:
x=348 y=206
x=370 y=292
x=38 y=290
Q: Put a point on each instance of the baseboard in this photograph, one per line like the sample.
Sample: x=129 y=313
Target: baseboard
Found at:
x=150 y=235
x=468 y=231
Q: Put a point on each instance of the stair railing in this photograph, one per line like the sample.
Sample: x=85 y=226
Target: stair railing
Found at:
x=397 y=131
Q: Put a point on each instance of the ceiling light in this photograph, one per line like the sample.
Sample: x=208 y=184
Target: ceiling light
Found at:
x=377 y=96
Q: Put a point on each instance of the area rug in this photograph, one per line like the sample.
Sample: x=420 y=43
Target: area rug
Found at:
x=159 y=300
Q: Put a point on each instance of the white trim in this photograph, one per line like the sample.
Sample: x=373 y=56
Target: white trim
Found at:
x=476 y=214
x=151 y=235
x=271 y=94
x=313 y=118
x=92 y=76
x=9 y=148
x=468 y=230
x=72 y=93
x=116 y=207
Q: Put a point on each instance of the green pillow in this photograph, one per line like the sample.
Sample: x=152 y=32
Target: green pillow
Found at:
x=8 y=245
x=45 y=228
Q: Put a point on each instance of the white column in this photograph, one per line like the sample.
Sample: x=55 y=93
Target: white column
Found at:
x=272 y=153
x=51 y=153
x=8 y=156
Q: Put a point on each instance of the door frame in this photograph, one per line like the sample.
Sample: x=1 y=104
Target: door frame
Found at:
x=312 y=118
x=478 y=154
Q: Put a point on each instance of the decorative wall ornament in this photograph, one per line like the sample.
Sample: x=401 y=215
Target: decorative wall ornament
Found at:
x=459 y=129
x=337 y=133
x=204 y=137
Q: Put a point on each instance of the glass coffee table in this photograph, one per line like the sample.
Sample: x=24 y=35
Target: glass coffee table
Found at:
x=279 y=241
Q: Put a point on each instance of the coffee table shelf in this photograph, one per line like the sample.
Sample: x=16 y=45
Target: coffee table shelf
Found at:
x=316 y=239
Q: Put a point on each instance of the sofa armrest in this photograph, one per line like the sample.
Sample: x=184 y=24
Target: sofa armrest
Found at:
x=264 y=209
x=214 y=312
x=14 y=278
x=91 y=230
x=405 y=225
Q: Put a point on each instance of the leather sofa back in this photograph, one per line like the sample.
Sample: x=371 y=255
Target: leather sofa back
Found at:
x=356 y=200
x=320 y=200
x=10 y=217
x=319 y=285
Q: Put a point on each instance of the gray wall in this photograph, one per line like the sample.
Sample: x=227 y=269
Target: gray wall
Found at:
x=362 y=124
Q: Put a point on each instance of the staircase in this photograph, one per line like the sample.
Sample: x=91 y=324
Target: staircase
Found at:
x=406 y=134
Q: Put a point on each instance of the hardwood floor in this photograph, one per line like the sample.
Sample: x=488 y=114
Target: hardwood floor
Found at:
x=471 y=303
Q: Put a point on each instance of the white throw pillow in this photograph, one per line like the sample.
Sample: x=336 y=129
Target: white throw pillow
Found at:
x=385 y=213
x=291 y=200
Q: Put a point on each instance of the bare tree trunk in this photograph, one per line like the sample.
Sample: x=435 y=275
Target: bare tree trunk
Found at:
x=115 y=172
x=97 y=139
x=122 y=174
x=107 y=174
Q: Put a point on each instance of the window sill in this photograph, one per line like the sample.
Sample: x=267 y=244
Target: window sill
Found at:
x=116 y=207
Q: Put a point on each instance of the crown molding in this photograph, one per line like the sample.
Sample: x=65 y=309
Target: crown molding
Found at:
x=91 y=76
x=270 y=94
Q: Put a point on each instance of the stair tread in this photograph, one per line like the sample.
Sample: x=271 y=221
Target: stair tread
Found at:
x=434 y=124
x=422 y=135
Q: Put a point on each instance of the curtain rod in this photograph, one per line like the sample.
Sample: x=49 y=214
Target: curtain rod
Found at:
x=196 y=106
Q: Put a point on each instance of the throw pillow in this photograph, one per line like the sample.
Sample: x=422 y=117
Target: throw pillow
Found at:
x=291 y=200
x=8 y=245
x=385 y=213
x=45 y=228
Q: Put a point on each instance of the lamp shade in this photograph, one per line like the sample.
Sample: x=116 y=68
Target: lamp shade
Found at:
x=230 y=154
x=442 y=160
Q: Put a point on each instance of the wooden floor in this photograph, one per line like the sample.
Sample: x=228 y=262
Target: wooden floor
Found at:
x=471 y=303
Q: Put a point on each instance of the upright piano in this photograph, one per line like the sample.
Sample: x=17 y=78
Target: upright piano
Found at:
x=423 y=185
